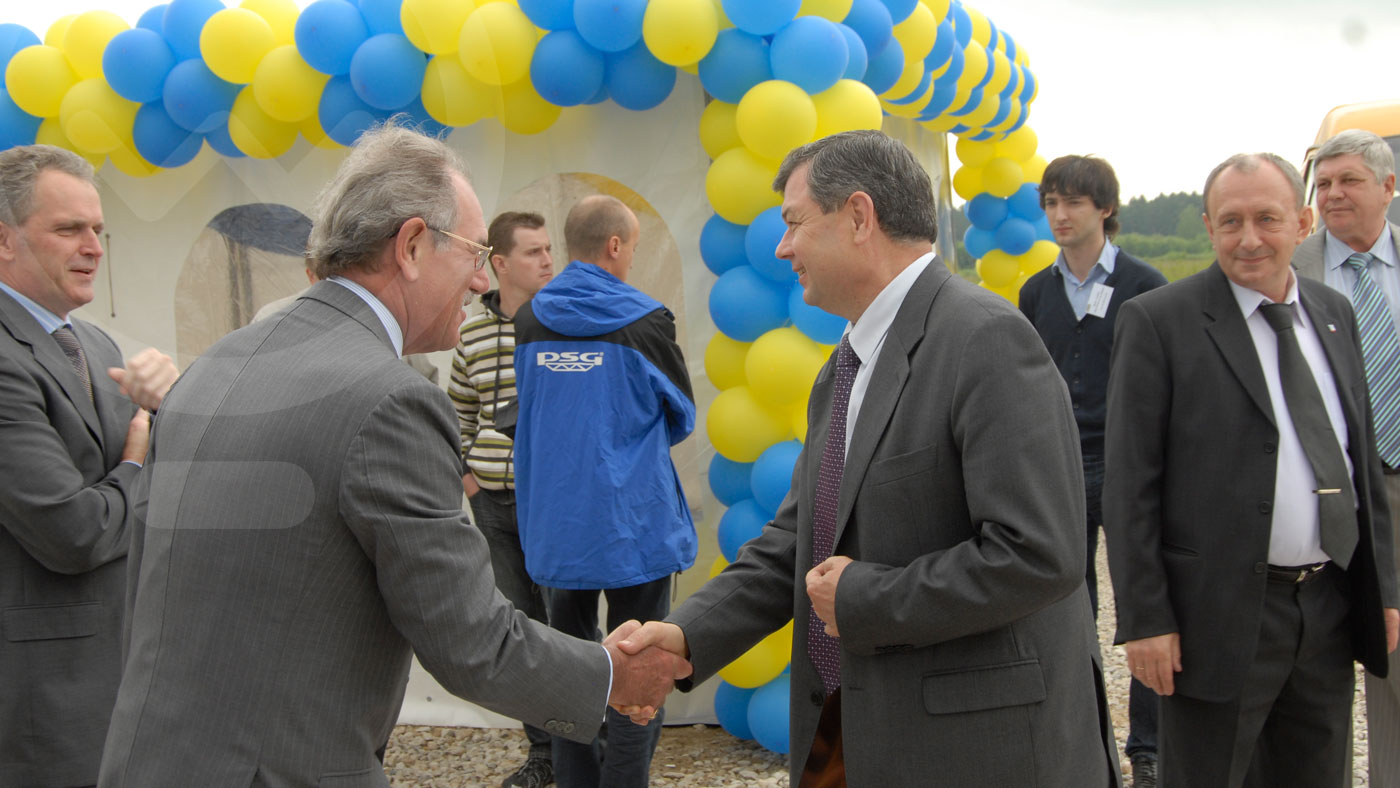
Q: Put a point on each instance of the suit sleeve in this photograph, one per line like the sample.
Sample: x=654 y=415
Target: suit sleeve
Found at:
x=401 y=497
x=68 y=522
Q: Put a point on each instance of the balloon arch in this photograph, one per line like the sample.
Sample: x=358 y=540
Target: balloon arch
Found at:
x=247 y=81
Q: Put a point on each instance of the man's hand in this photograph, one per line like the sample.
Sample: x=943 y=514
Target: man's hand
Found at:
x=148 y=375
x=138 y=438
x=1392 y=629
x=643 y=673
x=821 y=589
x=1155 y=661
x=469 y=485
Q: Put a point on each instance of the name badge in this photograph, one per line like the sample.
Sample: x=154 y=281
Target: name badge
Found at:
x=1099 y=296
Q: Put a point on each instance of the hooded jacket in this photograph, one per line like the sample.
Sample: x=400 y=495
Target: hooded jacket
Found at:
x=603 y=395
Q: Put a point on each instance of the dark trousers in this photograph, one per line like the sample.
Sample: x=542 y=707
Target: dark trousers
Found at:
x=1142 y=702
x=1290 y=725
x=626 y=760
x=494 y=513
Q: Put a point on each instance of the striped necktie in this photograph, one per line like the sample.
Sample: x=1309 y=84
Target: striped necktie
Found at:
x=1380 y=350
x=73 y=349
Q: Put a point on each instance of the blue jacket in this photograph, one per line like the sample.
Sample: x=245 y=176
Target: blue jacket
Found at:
x=603 y=395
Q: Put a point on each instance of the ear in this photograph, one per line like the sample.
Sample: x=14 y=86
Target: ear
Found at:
x=864 y=222
x=614 y=246
x=9 y=242
x=411 y=246
x=1305 y=222
x=1210 y=230
x=1389 y=185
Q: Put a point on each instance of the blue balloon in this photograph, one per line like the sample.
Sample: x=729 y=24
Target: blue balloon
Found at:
x=17 y=127
x=1010 y=46
x=978 y=242
x=381 y=16
x=772 y=475
x=13 y=38
x=956 y=62
x=959 y=129
x=1028 y=88
x=136 y=62
x=222 y=143
x=982 y=136
x=565 y=69
x=153 y=19
x=962 y=24
x=327 y=34
x=722 y=245
x=818 y=324
x=740 y=523
x=857 y=58
x=974 y=99
x=343 y=114
x=943 y=95
x=900 y=9
x=196 y=99
x=550 y=14
x=730 y=480
x=1042 y=229
x=992 y=35
x=610 y=25
x=1025 y=203
x=387 y=71
x=1013 y=86
x=809 y=52
x=732 y=709
x=636 y=80
x=871 y=21
x=745 y=305
x=917 y=93
x=943 y=45
x=760 y=17
x=986 y=211
x=736 y=62
x=768 y=714
x=600 y=96
x=160 y=140
x=885 y=67
x=1015 y=236
x=183 y=21
x=761 y=246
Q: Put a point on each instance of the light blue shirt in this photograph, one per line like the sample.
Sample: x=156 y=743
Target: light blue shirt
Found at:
x=1078 y=292
x=1385 y=272
x=382 y=312
x=48 y=320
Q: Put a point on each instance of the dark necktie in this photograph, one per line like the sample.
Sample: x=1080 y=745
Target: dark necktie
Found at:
x=1380 y=350
x=821 y=647
x=74 y=351
x=1336 y=508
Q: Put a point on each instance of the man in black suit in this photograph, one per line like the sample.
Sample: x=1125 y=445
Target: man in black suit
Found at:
x=1243 y=501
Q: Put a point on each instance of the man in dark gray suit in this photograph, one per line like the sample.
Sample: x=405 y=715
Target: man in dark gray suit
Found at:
x=304 y=533
x=1248 y=532
x=931 y=550
x=72 y=440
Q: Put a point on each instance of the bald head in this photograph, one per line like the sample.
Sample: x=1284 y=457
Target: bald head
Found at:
x=603 y=231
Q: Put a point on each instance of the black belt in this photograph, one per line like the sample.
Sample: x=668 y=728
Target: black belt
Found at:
x=1389 y=471
x=1296 y=575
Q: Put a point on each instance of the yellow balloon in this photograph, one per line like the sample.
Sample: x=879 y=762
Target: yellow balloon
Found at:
x=724 y=361
x=1041 y=254
x=87 y=36
x=286 y=87
x=718 y=132
x=762 y=663
x=740 y=428
x=975 y=65
x=233 y=42
x=718 y=565
x=1001 y=74
x=455 y=98
x=1035 y=168
x=1013 y=117
x=1002 y=177
x=680 y=32
x=497 y=43
x=998 y=269
x=967 y=182
x=51 y=133
x=939 y=8
x=981 y=27
x=799 y=419
x=434 y=26
x=739 y=185
x=781 y=366
x=917 y=33
x=909 y=109
x=774 y=117
x=280 y=15
x=974 y=154
x=983 y=113
x=1005 y=292
x=314 y=134
x=126 y=159
x=37 y=78
x=846 y=106
x=942 y=123
x=58 y=30
x=908 y=81
x=95 y=118
x=523 y=109
x=1019 y=145
x=256 y=133
x=835 y=10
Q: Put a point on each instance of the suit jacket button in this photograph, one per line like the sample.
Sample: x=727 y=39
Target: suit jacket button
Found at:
x=1269 y=448
x=1260 y=567
x=568 y=727
x=817 y=698
x=1265 y=507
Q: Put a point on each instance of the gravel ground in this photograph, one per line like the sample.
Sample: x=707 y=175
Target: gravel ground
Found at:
x=699 y=756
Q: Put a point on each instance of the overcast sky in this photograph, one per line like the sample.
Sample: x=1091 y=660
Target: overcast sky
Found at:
x=1164 y=89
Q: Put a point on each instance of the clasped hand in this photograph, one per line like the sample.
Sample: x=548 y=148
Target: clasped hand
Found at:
x=645 y=669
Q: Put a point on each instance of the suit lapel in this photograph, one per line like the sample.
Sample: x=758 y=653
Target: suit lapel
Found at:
x=1227 y=329
x=1307 y=258
x=27 y=331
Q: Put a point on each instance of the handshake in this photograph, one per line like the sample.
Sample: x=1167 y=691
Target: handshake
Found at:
x=646 y=660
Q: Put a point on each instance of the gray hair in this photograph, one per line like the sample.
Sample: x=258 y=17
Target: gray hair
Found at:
x=393 y=174
x=19 y=171
x=592 y=222
x=1372 y=149
x=1249 y=162
x=871 y=162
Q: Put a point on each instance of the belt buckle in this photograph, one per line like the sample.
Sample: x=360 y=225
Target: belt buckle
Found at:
x=1303 y=574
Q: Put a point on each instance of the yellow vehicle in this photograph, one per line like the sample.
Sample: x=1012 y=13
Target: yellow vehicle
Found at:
x=1379 y=117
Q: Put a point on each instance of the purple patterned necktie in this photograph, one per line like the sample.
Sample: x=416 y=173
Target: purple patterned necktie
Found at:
x=821 y=647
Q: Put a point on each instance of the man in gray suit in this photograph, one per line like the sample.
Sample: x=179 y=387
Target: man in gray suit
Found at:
x=72 y=439
x=1248 y=532
x=931 y=549
x=1358 y=254
x=304 y=533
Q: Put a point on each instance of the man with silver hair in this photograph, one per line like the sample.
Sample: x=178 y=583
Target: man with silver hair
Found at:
x=1358 y=254
x=304 y=536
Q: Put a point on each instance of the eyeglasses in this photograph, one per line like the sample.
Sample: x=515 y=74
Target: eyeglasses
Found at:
x=483 y=253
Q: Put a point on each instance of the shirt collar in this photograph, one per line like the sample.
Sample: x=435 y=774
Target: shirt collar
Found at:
x=1108 y=259
x=866 y=334
x=1335 y=253
x=46 y=319
x=385 y=316
x=1250 y=301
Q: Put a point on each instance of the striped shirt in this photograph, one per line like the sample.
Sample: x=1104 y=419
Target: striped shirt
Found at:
x=483 y=379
